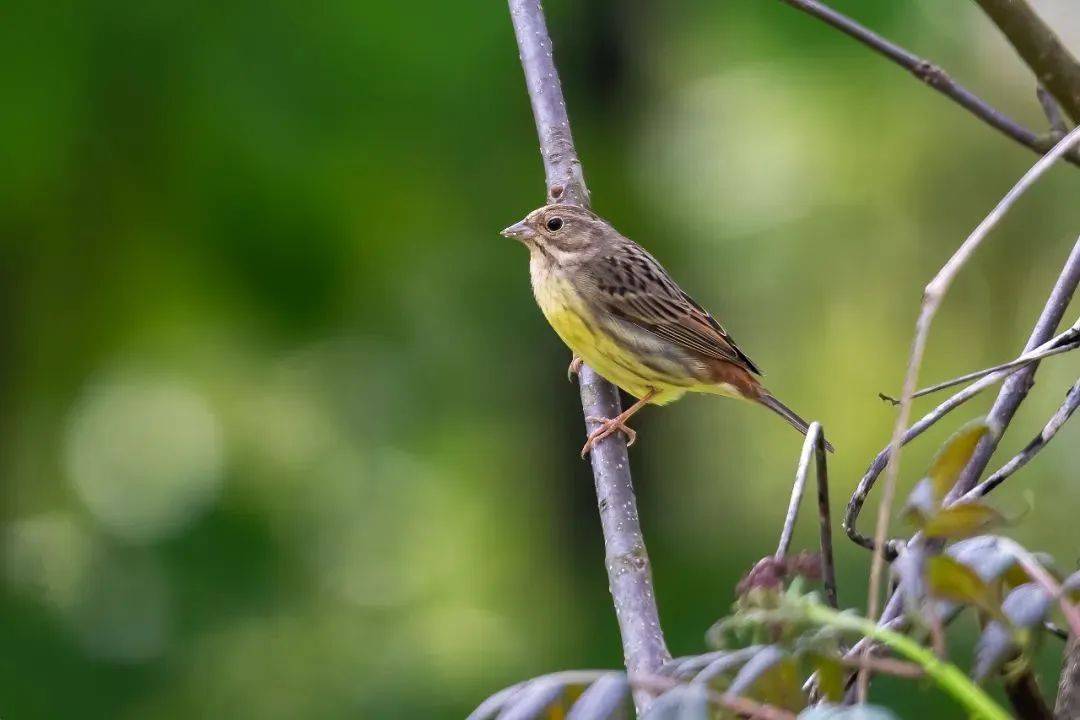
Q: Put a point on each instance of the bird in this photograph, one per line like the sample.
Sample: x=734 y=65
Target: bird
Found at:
x=619 y=311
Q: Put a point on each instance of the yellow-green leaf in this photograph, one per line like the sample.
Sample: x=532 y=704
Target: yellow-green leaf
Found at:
x=948 y=579
x=830 y=678
x=961 y=521
x=954 y=456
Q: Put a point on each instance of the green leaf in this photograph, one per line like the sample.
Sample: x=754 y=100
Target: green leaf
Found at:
x=948 y=579
x=954 y=456
x=830 y=677
x=770 y=677
x=961 y=520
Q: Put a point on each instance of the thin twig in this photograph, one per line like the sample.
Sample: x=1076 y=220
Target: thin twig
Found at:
x=893 y=615
x=1052 y=111
x=1059 y=632
x=1040 y=49
x=1025 y=359
x=828 y=563
x=929 y=73
x=813 y=447
x=1048 y=319
x=629 y=572
x=1015 y=389
x=932 y=299
x=1059 y=418
x=797 y=489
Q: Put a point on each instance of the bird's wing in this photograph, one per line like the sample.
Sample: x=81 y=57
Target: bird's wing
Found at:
x=636 y=288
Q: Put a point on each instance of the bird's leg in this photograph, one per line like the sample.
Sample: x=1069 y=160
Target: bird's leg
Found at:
x=615 y=424
x=574 y=369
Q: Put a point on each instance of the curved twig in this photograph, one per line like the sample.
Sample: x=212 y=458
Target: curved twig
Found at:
x=1059 y=418
x=1055 y=307
x=1070 y=344
x=1015 y=388
x=813 y=446
x=932 y=299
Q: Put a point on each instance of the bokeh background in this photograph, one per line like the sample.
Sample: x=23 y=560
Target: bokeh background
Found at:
x=282 y=433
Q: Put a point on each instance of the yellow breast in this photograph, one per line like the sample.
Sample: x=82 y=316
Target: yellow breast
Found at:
x=587 y=337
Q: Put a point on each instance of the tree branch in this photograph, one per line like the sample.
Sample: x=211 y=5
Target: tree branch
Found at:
x=1040 y=49
x=1069 y=277
x=1016 y=386
x=933 y=296
x=629 y=573
x=1064 y=343
x=1072 y=401
x=930 y=74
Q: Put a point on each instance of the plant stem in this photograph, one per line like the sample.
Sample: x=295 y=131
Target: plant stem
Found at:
x=629 y=572
x=949 y=677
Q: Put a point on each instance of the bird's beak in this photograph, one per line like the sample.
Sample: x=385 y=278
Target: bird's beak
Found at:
x=519 y=231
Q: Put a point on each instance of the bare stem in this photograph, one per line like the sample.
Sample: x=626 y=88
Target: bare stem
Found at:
x=929 y=73
x=828 y=564
x=1070 y=343
x=797 y=489
x=813 y=447
x=1048 y=320
x=1059 y=418
x=629 y=572
x=1052 y=111
x=1016 y=387
x=932 y=299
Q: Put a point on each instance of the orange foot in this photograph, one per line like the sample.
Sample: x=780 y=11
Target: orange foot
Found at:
x=607 y=427
x=574 y=369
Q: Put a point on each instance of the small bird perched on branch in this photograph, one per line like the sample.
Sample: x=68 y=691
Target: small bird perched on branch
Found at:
x=619 y=311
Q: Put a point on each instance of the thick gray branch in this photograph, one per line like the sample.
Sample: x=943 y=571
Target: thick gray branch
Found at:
x=629 y=573
x=1040 y=49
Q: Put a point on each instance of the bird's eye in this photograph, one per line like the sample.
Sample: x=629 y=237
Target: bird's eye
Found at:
x=554 y=224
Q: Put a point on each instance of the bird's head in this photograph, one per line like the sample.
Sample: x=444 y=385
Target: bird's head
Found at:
x=563 y=232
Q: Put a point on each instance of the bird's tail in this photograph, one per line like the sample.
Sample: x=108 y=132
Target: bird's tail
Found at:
x=788 y=414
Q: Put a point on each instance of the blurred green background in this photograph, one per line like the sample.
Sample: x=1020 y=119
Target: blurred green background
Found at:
x=282 y=433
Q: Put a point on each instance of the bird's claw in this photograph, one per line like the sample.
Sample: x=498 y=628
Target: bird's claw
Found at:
x=573 y=369
x=608 y=426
